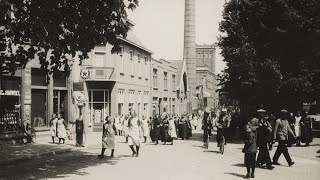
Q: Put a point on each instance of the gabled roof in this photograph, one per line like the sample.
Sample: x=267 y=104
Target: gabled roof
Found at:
x=135 y=41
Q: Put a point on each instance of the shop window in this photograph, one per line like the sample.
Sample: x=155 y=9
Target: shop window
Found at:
x=60 y=103
x=39 y=108
x=38 y=77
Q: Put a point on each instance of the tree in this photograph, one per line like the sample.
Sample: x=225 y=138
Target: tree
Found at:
x=57 y=29
x=272 y=52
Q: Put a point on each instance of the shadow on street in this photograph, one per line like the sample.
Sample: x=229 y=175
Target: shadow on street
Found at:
x=57 y=166
x=235 y=174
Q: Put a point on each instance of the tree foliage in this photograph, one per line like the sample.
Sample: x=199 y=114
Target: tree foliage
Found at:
x=272 y=51
x=52 y=30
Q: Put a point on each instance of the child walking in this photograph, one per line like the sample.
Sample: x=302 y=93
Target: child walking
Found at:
x=250 y=150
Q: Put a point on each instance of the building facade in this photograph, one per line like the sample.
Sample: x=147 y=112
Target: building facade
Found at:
x=32 y=96
x=113 y=84
x=166 y=98
x=206 y=78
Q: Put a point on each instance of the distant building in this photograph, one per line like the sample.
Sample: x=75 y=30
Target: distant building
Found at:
x=205 y=71
x=168 y=93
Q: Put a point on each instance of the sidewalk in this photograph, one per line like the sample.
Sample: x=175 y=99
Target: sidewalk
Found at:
x=12 y=154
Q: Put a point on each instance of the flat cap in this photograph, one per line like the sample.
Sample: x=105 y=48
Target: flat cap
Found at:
x=284 y=111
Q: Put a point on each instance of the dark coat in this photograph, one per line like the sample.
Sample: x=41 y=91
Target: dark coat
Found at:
x=306 y=129
x=250 y=145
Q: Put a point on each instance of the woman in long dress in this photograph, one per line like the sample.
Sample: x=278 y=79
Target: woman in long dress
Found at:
x=297 y=127
x=195 y=121
x=173 y=129
x=145 y=128
x=134 y=134
x=118 y=124
x=306 y=130
x=125 y=127
x=53 y=127
x=108 y=137
x=61 y=129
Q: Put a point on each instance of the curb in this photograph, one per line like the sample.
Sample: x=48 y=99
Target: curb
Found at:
x=30 y=157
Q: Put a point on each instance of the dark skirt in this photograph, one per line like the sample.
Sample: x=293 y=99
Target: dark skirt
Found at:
x=165 y=136
x=79 y=138
x=182 y=133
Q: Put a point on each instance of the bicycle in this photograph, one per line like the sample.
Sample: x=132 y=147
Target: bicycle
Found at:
x=221 y=139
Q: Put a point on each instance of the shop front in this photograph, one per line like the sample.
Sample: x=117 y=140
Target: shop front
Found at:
x=99 y=103
x=48 y=97
x=10 y=104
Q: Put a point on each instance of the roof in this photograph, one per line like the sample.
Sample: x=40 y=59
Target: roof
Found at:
x=135 y=41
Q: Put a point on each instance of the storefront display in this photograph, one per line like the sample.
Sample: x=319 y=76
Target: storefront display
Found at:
x=10 y=102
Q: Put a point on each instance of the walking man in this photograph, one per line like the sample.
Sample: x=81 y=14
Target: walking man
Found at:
x=263 y=132
x=281 y=131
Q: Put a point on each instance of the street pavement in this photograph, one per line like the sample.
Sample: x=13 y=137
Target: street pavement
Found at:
x=185 y=160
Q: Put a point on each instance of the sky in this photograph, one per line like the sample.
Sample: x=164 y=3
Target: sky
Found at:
x=159 y=25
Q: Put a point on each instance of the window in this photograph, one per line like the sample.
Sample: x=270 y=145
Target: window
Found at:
x=146 y=65
x=209 y=55
x=155 y=78
x=121 y=60
x=131 y=62
x=173 y=82
x=131 y=97
x=38 y=77
x=140 y=65
x=165 y=77
x=199 y=55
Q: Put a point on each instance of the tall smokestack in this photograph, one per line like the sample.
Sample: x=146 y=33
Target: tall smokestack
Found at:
x=189 y=52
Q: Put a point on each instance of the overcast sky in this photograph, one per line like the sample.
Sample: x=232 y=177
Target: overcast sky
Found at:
x=159 y=25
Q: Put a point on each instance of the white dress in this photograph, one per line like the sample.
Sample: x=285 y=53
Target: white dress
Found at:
x=61 y=129
x=297 y=126
x=134 y=132
x=145 y=128
x=173 y=130
x=118 y=123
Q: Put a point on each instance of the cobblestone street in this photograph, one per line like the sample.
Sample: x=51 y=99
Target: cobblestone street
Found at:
x=183 y=160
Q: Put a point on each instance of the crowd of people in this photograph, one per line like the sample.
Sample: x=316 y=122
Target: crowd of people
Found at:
x=259 y=133
x=264 y=129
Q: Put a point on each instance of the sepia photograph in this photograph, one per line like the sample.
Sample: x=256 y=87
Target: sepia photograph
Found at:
x=160 y=89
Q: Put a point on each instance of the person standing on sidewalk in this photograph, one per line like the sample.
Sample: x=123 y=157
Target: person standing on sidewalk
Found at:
x=108 y=137
x=281 y=130
x=250 y=150
x=53 y=127
x=134 y=134
x=61 y=129
x=79 y=131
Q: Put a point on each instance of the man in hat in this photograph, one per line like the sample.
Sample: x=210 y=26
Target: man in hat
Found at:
x=263 y=130
x=281 y=130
